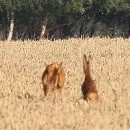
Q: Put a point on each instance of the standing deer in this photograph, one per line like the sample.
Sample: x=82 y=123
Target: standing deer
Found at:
x=88 y=87
x=53 y=78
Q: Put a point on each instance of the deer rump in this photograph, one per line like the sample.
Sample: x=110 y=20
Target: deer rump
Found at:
x=53 y=78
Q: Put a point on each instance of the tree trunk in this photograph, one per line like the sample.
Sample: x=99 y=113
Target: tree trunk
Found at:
x=11 y=27
x=43 y=29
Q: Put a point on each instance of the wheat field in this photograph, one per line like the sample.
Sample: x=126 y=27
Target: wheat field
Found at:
x=22 y=102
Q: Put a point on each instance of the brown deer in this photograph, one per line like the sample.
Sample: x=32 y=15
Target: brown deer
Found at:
x=53 y=78
x=88 y=87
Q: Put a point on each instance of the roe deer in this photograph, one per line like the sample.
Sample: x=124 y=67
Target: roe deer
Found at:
x=53 y=78
x=88 y=87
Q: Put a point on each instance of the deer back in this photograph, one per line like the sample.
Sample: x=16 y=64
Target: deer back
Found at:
x=53 y=77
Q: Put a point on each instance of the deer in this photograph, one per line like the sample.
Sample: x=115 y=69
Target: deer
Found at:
x=88 y=86
x=53 y=78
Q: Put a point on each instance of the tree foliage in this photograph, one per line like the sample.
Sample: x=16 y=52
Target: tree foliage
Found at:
x=66 y=12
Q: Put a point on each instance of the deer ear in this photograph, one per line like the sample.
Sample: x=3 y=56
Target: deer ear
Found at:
x=60 y=63
x=45 y=64
x=84 y=58
x=84 y=62
x=89 y=57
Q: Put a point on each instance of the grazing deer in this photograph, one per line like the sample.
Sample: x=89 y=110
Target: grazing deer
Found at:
x=53 y=78
x=88 y=87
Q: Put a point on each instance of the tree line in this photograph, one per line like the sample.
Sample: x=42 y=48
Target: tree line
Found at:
x=53 y=19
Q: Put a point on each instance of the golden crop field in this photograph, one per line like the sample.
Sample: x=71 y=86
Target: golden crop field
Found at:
x=22 y=102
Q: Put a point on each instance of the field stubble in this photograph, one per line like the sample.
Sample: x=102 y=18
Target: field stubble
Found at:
x=22 y=102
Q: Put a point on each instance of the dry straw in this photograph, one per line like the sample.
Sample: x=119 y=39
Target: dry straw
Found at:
x=22 y=104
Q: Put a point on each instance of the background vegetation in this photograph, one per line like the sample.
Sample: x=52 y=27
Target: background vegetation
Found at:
x=37 y=19
x=22 y=101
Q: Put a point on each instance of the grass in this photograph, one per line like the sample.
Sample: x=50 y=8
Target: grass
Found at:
x=22 y=102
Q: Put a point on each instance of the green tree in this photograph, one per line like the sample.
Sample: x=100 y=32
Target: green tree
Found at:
x=10 y=7
x=58 y=10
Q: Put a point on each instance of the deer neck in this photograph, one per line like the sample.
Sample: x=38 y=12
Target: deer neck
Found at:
x=88 y=73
